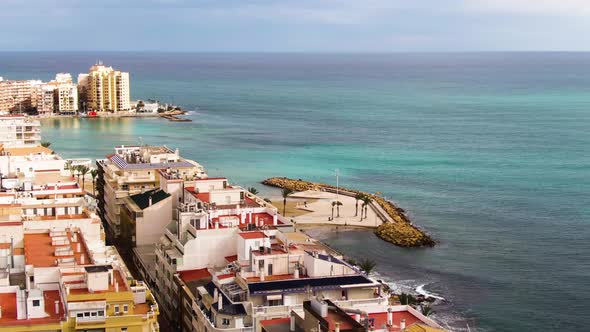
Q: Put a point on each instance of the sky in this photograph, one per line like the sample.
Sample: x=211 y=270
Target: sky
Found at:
x=295 y=26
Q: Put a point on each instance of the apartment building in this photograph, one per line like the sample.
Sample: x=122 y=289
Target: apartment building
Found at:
x=56 y=273
x=133 y=170
x=106 y=89
x=18 y=96
x=19 y=130
x=325 y=315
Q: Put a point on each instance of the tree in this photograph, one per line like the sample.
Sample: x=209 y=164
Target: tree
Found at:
x=407 y=299
x=253 y=190
x=83 y=171
x=338 y=204
x=94 y=174
x=333 y=205
x=45 y=144
x=70 y=167
x=426 y=310
x=366 y=202
x=367 y=265
x=285 y=193
x=357 y=197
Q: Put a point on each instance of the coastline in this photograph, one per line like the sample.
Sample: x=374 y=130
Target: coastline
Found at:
x=396 y=227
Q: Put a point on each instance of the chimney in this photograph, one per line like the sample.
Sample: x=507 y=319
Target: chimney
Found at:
x=220 y=303
x=57 y=307
x=296 y=273
x=402 y=324
x=150 y=201
x=215 y=294
x=337 y=327
x=292 y=322
x=389 y=316
x=82 y=260
x=357 y=317
x=261 y=275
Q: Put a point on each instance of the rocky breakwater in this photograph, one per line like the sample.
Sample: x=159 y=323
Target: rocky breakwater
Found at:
x=399 y=231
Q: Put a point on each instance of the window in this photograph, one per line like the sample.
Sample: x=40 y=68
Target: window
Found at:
x=100 y=313
x=36 y=303
x=125 y=308
x=225 y=321
x=93 y=314
x=123 y=329
x=32 y=279
x=80 y=315
x=116 y=309
x=87 y=314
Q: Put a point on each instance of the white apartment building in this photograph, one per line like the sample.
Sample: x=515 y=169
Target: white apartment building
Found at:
x=19 y=131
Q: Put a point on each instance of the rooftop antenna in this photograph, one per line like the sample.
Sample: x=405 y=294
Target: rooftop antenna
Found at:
x=141 y=141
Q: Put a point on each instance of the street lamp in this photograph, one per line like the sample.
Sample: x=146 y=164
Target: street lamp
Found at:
x=337 y=187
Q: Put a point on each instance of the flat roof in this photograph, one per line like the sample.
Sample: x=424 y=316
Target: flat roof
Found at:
x=252 y=235
x=40 y=252
x=301 y=284
x=192 y=275
x=9 y=311
x=121 y=163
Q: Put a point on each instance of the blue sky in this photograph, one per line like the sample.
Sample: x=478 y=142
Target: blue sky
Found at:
x=295 y=26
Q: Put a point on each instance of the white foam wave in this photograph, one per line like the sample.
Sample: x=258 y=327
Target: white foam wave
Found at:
x=420 y=290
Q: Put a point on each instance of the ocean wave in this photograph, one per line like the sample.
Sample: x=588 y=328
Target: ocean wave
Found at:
x=420 y=290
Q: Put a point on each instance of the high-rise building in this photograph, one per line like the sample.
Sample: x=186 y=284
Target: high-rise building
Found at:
x=18 y=96
x=107 y=89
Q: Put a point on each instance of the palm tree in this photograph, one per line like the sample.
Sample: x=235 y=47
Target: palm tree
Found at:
x=333 y=205
x=83 y=171
x=94 y=174
x=285 y=193
x=367 y=265
x=426 y=310
x=357 y=197
x=338 y=204
x=69 y=167
x=253 y=190
x=76 y=171
x=366 y=202
x=45 y=144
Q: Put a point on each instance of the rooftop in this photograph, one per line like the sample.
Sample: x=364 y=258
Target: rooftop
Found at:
x=252 y=235
x=143 y=200
x=9 y=310
x=41 y=249
x=123 y=164
x=298 y=285
x=192 y=275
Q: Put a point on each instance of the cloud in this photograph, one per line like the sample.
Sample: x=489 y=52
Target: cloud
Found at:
x=572 y=8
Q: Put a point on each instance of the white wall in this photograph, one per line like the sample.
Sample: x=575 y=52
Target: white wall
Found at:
x=209 y=249
x=150 y=228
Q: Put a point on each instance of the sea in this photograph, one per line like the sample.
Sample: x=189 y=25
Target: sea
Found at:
x=488 y=152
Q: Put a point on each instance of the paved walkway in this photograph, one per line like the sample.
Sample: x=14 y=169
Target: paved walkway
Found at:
x=320 y=211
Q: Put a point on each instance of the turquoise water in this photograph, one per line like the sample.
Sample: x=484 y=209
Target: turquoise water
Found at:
x=488 y=152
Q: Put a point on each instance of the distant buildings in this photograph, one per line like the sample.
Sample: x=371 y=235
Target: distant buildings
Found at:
x=102 y=89
x=106 y=89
